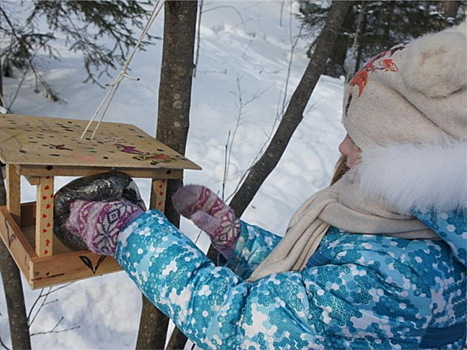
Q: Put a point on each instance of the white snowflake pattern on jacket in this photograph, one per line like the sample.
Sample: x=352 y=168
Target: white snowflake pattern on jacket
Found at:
x=356 y=292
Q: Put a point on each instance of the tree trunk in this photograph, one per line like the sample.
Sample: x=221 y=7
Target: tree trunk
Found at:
x=19 y=328
x=172 y=129
x=450 y=8
x=11 y=277
x=359 y=62
x=294 y=113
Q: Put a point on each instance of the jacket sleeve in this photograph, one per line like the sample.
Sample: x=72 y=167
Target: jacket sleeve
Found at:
x=217 y=309
x=451 y=226
x=253 y=245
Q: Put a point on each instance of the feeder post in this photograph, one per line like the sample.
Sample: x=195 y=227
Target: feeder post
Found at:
x=158 y=194
x=13 y=193
x=44 y=216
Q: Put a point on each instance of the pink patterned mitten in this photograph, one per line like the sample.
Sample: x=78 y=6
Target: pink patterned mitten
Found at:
x=99 y=223
x=210 y=214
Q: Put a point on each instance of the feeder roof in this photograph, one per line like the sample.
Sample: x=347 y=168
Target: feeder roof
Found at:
x=51 y=142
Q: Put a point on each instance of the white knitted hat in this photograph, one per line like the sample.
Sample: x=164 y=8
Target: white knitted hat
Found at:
x=412 y=93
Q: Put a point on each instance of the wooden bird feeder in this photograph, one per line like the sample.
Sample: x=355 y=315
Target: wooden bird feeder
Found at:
x=40 y=148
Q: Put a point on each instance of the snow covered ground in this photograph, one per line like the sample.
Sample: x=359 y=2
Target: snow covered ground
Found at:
x=241 y=84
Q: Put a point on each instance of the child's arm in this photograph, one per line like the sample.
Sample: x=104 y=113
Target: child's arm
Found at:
x=253 y=245
x=451 y=226
x=242 y=246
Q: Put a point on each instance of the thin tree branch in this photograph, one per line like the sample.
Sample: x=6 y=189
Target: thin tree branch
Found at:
x=54 y=329
x=294 y=113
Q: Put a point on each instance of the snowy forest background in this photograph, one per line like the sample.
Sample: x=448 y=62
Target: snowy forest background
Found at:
x=250 y=56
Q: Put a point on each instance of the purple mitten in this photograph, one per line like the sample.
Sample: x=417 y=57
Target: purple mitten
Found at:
x=210 y=214
x=99 y=223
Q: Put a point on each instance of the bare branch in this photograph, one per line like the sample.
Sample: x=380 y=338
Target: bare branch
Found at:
x=41 y=300
x=3 y=344
x=241 y=105
x=54 y=329
x=294 y=113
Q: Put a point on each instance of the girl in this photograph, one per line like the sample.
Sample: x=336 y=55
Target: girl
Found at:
x=375 y=261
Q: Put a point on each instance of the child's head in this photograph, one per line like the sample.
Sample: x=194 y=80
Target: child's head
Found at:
x=412 y=93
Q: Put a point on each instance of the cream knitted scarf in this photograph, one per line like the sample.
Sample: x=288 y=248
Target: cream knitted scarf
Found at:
x=341 y=205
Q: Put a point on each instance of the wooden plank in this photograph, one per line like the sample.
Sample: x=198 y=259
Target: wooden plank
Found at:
x=28 y=215
x=33 y=180
x=158 y=194
x=42 y=170
x=57 y=141
x=17 y=244
x=13 y=192
x=44 y=216
x=69 y=267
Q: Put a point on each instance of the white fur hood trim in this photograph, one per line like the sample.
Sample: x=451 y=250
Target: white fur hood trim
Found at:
x=416 y=176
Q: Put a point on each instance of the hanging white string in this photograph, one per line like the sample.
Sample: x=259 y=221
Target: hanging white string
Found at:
x=104 y=105
x=3 y=109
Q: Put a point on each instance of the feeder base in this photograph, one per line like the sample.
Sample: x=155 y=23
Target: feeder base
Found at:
x=61 y=267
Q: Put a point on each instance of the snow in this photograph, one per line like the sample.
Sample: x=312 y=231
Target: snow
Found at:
x=238 y=90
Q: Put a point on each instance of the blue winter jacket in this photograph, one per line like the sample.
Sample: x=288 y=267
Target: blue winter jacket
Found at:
x=356 y=292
